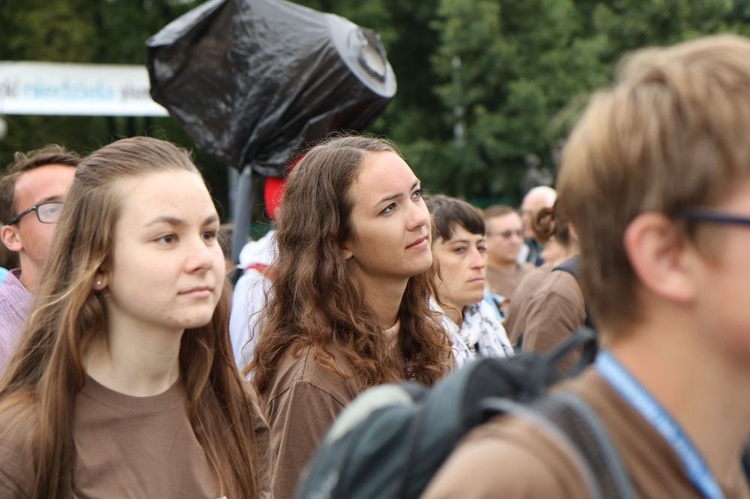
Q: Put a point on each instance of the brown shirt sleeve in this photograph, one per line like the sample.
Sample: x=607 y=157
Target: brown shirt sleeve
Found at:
x=262 y=440
x=16 y=459
x=299 y=418
x=508 y=458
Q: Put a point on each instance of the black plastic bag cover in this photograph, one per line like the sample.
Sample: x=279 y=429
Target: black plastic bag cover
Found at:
x=251 y=81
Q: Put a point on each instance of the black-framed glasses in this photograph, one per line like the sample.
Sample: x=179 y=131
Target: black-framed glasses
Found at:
x=47 y=213
x=714 y=217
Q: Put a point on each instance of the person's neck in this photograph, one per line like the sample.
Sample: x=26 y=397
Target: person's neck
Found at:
x=569 y=253
x=454 y=313
x=29 y=277
x=693 y=380
x=135 y=362
x=384 y=297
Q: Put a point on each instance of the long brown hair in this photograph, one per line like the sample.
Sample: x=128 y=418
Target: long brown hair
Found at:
x=315 y=299
x=47 y=370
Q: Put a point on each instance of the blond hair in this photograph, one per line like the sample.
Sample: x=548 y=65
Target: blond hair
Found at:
x=670 y=134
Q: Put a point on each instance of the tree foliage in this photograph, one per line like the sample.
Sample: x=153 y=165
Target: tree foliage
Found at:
x=485 y=87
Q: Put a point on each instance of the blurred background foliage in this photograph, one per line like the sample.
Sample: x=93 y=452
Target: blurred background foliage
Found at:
x=487 y=89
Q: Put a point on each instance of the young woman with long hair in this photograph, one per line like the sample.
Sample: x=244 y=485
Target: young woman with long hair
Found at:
x=349 y=306
x=124 y=383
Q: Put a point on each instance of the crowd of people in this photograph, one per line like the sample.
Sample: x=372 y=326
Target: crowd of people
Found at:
x=137 y=360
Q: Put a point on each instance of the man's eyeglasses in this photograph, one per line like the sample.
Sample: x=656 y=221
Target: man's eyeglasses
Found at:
x=714 y=217
x=47 y=213
x=506 y=234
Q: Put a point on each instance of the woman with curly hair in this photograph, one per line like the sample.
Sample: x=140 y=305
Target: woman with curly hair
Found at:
x=349 y=305
x=124 y=384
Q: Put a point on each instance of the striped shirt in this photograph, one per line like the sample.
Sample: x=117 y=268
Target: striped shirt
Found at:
x=15 y=306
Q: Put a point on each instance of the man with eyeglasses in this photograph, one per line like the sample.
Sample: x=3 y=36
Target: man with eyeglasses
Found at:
x=505 y=238
x=31 y=195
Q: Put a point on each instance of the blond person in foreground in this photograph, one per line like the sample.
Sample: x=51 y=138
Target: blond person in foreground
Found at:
x=656 y=180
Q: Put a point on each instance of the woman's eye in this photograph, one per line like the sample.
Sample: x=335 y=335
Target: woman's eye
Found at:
x=209 y=235
x=459 y=251
x=389 y=208
x=166 y=239
x=417 y=194
x=482 y=249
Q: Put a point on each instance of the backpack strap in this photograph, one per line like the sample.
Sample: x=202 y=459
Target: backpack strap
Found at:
x=575 y=424
x=746 y=461
x=573 y=267
x=581 y=424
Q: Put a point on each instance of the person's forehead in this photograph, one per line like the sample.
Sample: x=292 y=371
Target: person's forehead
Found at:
x=460 y=233
x=43 y=183
x=509 y=220
x=382 y=174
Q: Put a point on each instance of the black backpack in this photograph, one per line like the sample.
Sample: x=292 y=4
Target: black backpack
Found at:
x=392 y=439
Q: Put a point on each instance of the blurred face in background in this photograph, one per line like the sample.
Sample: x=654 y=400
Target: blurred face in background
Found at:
x=462 y=259
x=504 y=238
x=30 y=237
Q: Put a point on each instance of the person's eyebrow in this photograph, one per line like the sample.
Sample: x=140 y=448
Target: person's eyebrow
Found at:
x=175 y=221
x=51 y=199
x=397 y=195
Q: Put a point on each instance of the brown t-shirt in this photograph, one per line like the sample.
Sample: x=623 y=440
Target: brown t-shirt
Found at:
x=555 y=312
x=126 y=447
x=513 y=458
x=515 y=321
x=301 y=403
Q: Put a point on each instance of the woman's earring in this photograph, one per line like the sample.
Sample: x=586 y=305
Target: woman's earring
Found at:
x=98 y=282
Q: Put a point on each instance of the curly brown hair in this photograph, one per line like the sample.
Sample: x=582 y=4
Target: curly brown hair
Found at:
x=316 y=301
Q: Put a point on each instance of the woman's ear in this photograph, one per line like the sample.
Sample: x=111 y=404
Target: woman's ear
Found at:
x=348 y=254
x=100 y=280
x=660 y=257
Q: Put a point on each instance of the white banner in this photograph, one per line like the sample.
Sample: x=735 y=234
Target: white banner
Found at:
x=48 y=88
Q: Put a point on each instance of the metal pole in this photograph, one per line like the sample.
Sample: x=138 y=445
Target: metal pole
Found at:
x=243 y=205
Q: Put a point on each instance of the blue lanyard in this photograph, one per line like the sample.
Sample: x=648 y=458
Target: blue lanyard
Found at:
x=632 y=391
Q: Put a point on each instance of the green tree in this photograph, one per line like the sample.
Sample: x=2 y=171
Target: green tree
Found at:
x=482 y=84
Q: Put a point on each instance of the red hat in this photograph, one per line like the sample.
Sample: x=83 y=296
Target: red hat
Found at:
x=274 y=190
x=273 y=193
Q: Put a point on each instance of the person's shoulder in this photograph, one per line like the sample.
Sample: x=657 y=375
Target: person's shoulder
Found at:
x=301 y=367
x=17 y=415
x=7 y=284
x=535 y=463
x=559 y=282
